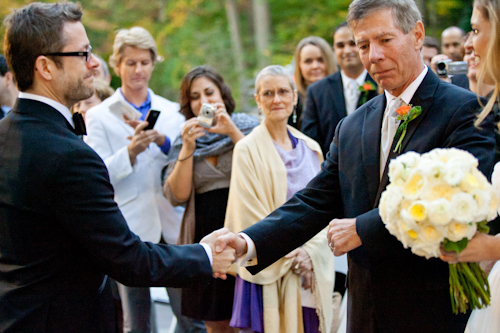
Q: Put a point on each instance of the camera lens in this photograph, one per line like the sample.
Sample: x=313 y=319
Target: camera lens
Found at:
x=441 y=66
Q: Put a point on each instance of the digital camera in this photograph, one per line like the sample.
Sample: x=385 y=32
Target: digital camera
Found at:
x=447 y=67
x=206 y=115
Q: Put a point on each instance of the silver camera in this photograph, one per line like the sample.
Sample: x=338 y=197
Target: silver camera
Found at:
x=206 y=115
x=447 y=67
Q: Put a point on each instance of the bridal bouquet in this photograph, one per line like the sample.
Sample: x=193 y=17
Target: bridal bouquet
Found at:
x=437 y=199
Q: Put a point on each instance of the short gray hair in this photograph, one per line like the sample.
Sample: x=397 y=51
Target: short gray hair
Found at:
x=273 y=70
x=135 y=37
x=404 y=12
x=103 y=63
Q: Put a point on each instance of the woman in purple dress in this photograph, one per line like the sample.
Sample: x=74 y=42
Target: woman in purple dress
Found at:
x=269 y=166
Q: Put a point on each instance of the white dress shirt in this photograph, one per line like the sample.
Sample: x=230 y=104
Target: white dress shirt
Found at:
x=406 y=97
x=351 y=90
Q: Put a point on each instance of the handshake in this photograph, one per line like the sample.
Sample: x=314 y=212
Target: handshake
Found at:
x=226 y=247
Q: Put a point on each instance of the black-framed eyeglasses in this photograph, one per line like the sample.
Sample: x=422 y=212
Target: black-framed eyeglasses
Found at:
x=87 y=54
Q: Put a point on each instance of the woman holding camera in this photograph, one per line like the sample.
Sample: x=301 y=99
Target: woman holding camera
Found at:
x=485 y=23
x=199 y=169
x=269 y=166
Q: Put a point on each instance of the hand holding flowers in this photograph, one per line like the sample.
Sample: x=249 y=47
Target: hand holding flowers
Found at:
x=441 y=199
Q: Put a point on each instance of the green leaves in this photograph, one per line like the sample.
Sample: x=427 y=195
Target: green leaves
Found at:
x=457 y=247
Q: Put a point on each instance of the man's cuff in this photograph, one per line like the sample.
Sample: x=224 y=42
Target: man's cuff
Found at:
x=165 y=148
x=208 y=250
x=250 y=259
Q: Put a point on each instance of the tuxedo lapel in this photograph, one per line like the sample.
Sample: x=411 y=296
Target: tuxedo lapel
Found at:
x=338 y=96
x=370 y=145
x=424 y=97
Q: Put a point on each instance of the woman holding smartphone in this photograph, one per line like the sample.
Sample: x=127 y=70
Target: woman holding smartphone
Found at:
x=198 y=174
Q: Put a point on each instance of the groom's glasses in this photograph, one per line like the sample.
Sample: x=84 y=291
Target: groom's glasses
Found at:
x=87 y=54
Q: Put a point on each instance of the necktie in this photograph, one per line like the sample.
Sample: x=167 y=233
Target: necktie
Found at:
x=79 y=124
x=389 y=128
x=352 y=96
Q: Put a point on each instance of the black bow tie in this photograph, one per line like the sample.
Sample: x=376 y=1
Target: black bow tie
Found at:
x=79 y=124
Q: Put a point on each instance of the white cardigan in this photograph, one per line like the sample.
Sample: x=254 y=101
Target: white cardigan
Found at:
x=138 y=189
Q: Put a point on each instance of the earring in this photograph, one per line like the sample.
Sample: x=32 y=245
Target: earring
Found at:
x=294 y=116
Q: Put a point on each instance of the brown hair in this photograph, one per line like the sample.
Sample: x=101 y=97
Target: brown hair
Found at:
x=491 y=64
x=326 y=52
x=212 y=75
x=102 y=89
x=35 y=30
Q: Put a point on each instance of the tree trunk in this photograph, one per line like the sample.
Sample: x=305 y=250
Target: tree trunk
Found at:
x=236 y=45
x=261 y=22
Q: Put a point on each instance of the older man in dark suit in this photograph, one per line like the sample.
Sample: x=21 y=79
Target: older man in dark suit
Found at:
x=60 y=229
x=390 y=289
x=338 y=95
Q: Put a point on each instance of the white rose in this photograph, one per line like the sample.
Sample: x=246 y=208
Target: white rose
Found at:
x=454 y=175
x=483 y=199
x=413 y=186
x=440 y=212
x=409 y=159
x=426 y=250
x=456 y=231
x=396 y=170
x=464 y=207
x=432 y=169
x=408 y=229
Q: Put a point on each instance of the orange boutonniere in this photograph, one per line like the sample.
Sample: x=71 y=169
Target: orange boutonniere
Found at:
x=406 y=113
x=365 y=88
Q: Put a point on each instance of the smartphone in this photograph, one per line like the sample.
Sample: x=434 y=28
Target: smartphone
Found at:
x=151 y=118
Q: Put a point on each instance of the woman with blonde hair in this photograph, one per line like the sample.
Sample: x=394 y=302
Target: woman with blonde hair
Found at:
x=269 y=166
x=485 y=23
x=314 y=61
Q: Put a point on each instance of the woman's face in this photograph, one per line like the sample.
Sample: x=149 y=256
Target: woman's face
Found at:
x=312 y=64
x=469 y=58
x=276 y=98
x=203 y=90
x=481 y=31
x=86 y=104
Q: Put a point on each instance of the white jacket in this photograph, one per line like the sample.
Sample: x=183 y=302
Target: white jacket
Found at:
x=138 y=189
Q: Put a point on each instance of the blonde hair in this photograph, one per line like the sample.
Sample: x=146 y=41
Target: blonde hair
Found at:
x=326 y=52
x=491 y=63
x=102 y=89
x=135 y=37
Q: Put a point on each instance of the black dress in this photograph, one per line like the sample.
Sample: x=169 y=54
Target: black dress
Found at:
x=211 y=299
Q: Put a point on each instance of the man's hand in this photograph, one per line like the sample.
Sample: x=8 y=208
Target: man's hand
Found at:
x=232 y=240
x=342 y=236
x=141 y=140
x=222 y=259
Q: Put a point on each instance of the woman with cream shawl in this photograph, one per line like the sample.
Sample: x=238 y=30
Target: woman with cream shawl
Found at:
x=269 y=166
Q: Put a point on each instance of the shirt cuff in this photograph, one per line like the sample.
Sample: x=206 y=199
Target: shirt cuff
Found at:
x=165 y=148
x=208 y=250
x=250 y=259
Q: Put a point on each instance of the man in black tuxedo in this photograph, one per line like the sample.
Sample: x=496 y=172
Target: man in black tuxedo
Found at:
x=337 y=95
x=60 y=229
x=390 y=289
x=8 y=89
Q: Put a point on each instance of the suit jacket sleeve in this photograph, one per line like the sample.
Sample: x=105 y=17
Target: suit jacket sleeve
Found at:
x=310 y=123
x=84 y=207
x=460 y=133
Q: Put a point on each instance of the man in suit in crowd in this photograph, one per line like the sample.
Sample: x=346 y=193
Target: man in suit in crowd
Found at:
x=452 y=43
x=135 y=159
x=60 y=229
x=8 y=88
x=338 y=95
x=429 y=50
x=390 y=289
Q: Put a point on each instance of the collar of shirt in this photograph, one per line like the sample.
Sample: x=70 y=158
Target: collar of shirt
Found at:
x=143 y=108
x=408 y=93
x=359 y=80
x=56 y=105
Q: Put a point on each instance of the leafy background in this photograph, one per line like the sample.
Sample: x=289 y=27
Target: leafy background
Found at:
x=190 y=33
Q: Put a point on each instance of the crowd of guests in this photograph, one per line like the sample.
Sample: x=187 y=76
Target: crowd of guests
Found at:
x=181 y=180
